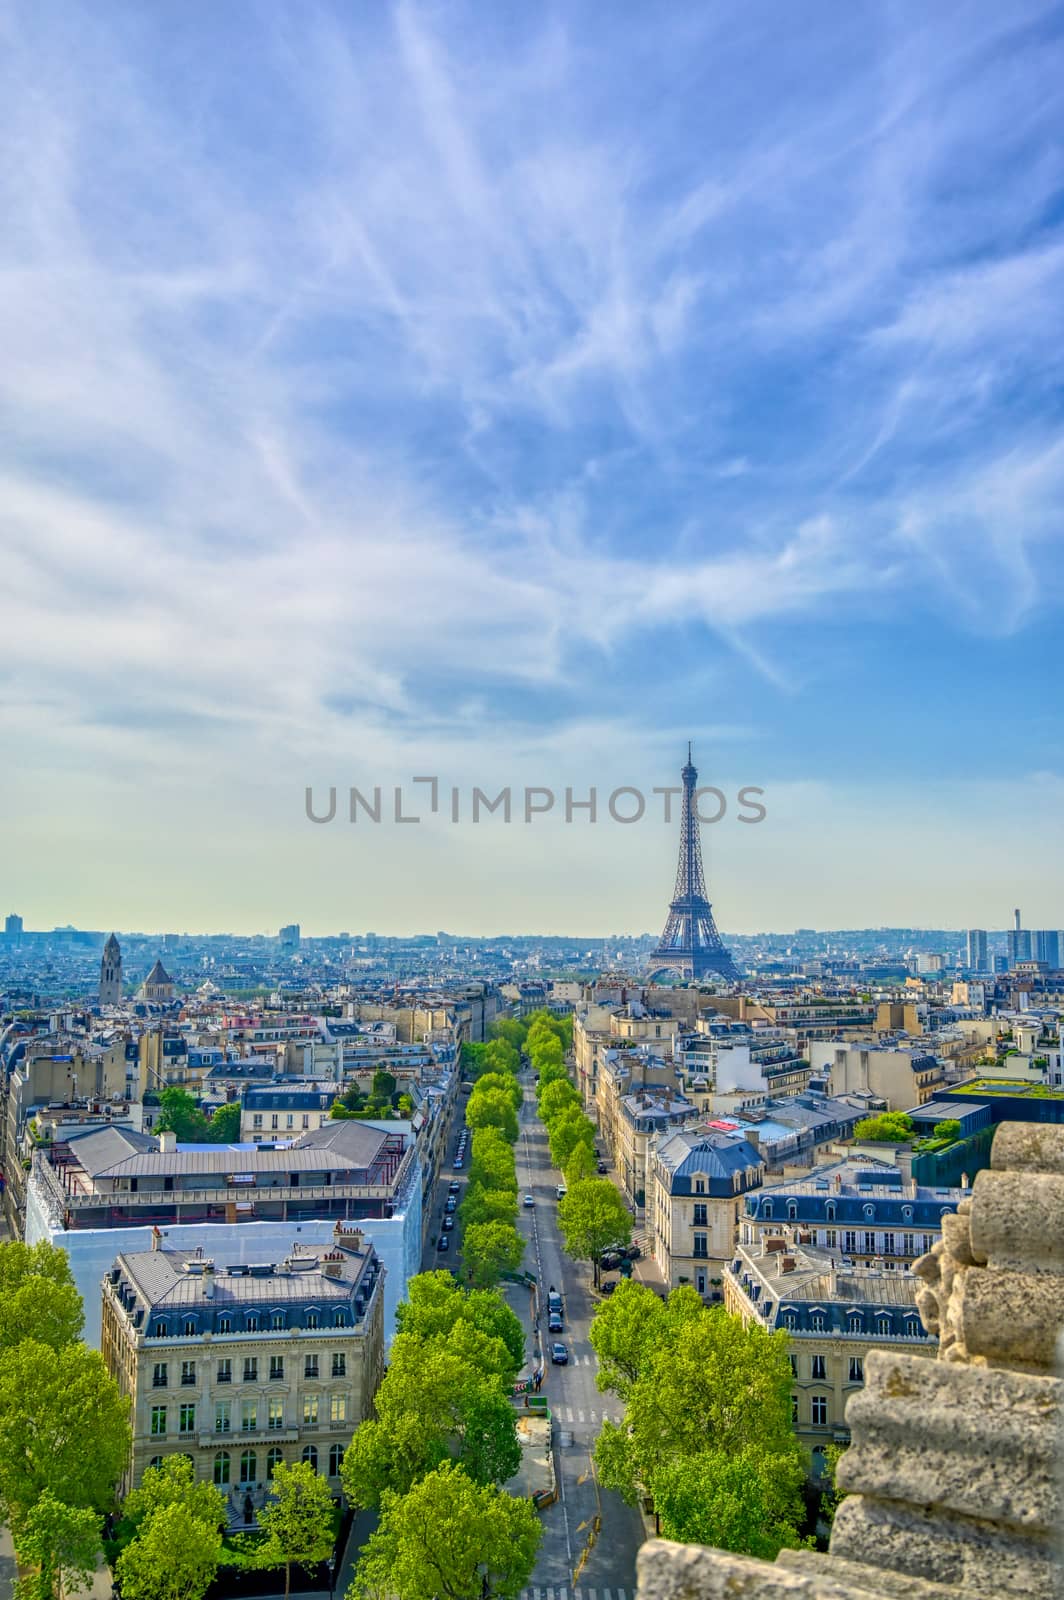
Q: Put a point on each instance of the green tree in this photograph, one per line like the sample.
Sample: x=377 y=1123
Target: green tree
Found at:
x=492 y=1161
x=487 y=1205
x=298 y=1523
x=174 y=1557
x=435 y=1304
x=406 y=1105
x=489 y=1249
x=449 y=1539
x=581 y=1164
x=224 y=1126
x=440 y=1399
x=707 y=1419
x=556 y=1098
x=746 y=1500
x=493 y=1109
x=568 y=1129
x=171 y=1484
x=890 y=1127
x=37 y=1296
x=949 y=1128
x=181 y=1115
x=593 y=1216
x=500 y=1080
x=59 y=1544
x=501 y=1056
x=512 y=1031
x=63 y=1428
x=383 y=1088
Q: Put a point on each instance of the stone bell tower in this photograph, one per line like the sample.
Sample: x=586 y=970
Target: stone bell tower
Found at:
x=111 y=974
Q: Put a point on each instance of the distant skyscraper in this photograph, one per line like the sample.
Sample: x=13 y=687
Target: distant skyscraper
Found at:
x=13 y=926
x=289 y=936
x=111 y=973
x=977 y=950
x=1019 y=941
x=690 y=944
x=1047 y=947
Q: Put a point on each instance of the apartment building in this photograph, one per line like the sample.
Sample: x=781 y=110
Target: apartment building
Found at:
x=241 y=1366
x=902 y=1075
x=697 y=1185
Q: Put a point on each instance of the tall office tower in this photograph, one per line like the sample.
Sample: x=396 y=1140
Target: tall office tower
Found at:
x=111 y=973
x=690 y=944
x=977 y=951
x=289 y=936
x=1047 y=947
x=1019 y=941
x=13 y=927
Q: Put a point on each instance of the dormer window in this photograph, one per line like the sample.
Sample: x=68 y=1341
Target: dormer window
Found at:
x=766 y=1208
x=907 y=1213
x=190 y=1327
x=792 y=1211
x=700 y=1186
x=160 y=1330
x=829 y=1211
x=869 y=1212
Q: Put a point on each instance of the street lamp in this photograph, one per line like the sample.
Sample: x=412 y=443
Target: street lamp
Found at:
x=331 y=1564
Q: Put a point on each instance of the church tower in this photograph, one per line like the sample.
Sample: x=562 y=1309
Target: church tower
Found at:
x=111 y=974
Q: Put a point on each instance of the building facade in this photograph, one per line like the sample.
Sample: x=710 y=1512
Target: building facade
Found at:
x=697 y=1188
x=246 y=1365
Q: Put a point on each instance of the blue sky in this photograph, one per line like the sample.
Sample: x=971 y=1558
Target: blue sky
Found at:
x=513 y=393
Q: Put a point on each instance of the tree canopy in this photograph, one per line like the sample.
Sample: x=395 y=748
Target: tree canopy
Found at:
x=59 y=1544
x=889 y=1127
x=492 y=1108
x=224 y=1126
x=174 y=1483
x=707 y=1422
x=489 y=1249
x=37 y=1296
x=449 y=1537
x=63 y=1428
x=501 y=1080
x=435 y=1304
x=593 y=1216
x=297 y=1520
x=557 y=1097
x=174 y=1557
x=180 y=1114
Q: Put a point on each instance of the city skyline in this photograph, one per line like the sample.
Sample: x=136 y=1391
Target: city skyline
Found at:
x=432 y=391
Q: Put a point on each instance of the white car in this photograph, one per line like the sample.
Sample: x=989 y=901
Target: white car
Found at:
x=561 y=1191
x=529 y=1200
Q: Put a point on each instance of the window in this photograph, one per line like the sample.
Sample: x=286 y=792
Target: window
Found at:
x=273 y=1121
x=870 y=1212
x=336 y=1460
x=855 y=1322
x=792 y=1211
x=251 y=1369
x=188 y=1373
x=700 y=1216
x=831 y=1238
x=310 y=1411
x=249 y=1467
x=766 y=1209
x=907 y=1213
x=312 y=1319
x=310 y=1455
x=306 y=1120
x=882 y=1324
x=160 y=1330
x=849 y=1242
x=225 y=1324
x=341 y=1319
x=277 y=1320
x=158 y=1421
x=908 y=1243
x=794 y=1408
x=913 y=1327
x=339 y=1364
x=225 y=1370
x=928 y=1243
x=221 y=1468
x=829 y=1211
x=289 y=1121
x=186 y=1422
x=700 y=1248
x=276 y=1411
x=794 y=1366
x=310 y=1367
x=819 y=1372
x=819 y=1411
x=816 y=1321
x=790 y=1319
x=870 y=1244
x=276 y=1369
x=190 y=1327
x=888 y=1244
x=158 y=1375
x=273 y=1461
x=856 y=1370
x=338 y=1409
x=249 y=1416
x=156 y=1461
x=700 y=1186
x=251 y=1322
x=223 y=1414
x=256 y=1121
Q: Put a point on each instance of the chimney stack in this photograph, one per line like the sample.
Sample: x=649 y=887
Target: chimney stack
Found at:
x=208 y=1280
x=167 y=1143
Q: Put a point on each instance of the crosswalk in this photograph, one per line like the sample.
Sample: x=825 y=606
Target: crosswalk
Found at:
x=588 y=1414
x=581 y=1592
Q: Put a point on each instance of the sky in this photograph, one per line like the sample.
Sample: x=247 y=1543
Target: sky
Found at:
x=509 y=395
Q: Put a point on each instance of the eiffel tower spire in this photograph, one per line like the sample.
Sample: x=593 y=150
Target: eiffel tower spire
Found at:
x=690 y=944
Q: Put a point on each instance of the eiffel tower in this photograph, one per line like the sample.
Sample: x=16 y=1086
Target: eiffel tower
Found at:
x=691 y=944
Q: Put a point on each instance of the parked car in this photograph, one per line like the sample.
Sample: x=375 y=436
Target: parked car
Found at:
x=443 y=1242
x=451 y=1203
x=561 y=1191
x=559 y=1355
x=454 y=1188
x=554 y=1322
x=458 y=1164
x=529 y=1201
x=554 y=1302
x=631 y=1252
x=610 y=1260
x=448 y=1224
x=601 y=1167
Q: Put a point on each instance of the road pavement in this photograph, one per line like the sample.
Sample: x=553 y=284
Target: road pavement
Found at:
x=606 y=1570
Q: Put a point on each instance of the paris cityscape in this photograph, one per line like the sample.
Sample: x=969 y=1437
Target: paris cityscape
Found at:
x=532 y=924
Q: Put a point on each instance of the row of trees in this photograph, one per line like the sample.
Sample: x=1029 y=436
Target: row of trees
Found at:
x=64 y=1426
x=707 y=1420
x=491 y=1244
x=434 y=1458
